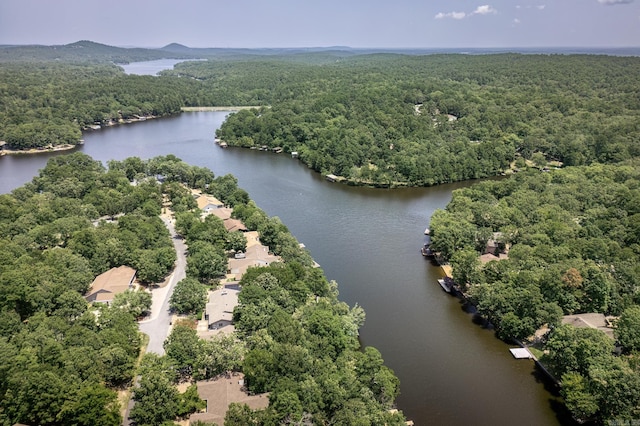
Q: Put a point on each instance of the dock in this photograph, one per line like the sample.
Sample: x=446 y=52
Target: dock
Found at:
x=521 y=353
x=446 y=283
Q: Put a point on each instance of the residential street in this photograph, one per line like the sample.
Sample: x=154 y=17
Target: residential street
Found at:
x=157 y=327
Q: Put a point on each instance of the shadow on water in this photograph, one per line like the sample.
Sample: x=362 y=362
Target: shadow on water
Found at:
x=562 y=414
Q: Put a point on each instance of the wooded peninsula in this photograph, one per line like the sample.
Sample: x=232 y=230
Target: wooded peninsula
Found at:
x=566 y=222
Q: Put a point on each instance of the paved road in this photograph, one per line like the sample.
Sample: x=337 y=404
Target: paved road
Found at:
x=157 y=327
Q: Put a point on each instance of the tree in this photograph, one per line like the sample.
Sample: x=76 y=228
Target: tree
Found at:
x=118 y=365
x=627 y=329
x=190 y=402
x=466 y=266
x=241 y=415
x=136 y=302
x=576 y=349
x=220 y=354
x=91 y=405
x=156 y=400
x=617 y=388
x=153 y=265
x=236 y=241
x=184 y=347
x=286 y=406
x=70 y=305
x=35 y=396
x=577 y=397
x=189 y=297
x=205 y=262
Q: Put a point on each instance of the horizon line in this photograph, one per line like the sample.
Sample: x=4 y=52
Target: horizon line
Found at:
x=333 y=46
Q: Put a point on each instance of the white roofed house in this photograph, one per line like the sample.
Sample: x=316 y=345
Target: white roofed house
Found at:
x=208 y=203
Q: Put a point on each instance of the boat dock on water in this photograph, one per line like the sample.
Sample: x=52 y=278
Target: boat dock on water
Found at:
x=446 y=283
x=426 y=247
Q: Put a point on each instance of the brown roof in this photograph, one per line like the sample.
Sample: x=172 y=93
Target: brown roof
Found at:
x=221 y=304
x=256 y=255
x=234 y=225
x=221 y=392
x=223 y=213
x=488 y=257
x=589 y=320
x=108 y=284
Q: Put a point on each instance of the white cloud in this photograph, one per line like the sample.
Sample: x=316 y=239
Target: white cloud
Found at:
x=612 y=2
x=480 y=10
x=484 y=10
x=542 y=6
x=516 y=21
x=453 y=15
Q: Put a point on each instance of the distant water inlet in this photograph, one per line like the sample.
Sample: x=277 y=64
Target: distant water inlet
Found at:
x=452 y=371
x=149 y=67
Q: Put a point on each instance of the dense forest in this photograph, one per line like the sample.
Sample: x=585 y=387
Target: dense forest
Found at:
x=570 y=225
x=64 y=361
x=379 y=119
x=573 y=247
x=407 y=120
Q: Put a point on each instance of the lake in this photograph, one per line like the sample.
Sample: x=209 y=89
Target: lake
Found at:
x=452 y=371
x=150 y=67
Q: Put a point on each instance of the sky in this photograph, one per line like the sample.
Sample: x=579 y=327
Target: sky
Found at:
x=322 y=23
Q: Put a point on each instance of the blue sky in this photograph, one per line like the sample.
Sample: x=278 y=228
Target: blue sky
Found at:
x=355 y=23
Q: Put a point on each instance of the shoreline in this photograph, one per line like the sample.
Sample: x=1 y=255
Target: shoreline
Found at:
x=67 y=147
x=64 y=147
x=218 y=108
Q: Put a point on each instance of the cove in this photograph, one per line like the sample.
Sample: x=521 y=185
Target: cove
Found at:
x=452 y=371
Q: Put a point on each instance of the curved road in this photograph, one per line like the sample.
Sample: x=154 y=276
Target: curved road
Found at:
x=157 y=327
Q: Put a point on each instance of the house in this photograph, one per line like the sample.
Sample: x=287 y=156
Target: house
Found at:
x=234 y=225
x=222 y=391
x=230 y=224
x=223 y=213
x=106 y=285
x=208 y=203
x=219 y=310
x=590 y=320
x=256 y=255
x=495 y=249
x=495 y=244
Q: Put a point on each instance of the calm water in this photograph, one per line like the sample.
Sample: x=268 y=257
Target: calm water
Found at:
x=149 y=67
x=452 y=371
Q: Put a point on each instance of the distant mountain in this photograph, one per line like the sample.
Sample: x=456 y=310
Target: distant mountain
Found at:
x=85 y=50
x=176 y=47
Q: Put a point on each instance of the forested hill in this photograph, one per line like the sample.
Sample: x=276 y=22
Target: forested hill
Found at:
x=384 y=119
x=424 y=120
x=85 y=51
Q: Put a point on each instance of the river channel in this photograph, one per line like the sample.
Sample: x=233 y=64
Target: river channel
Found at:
x=452 y=370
